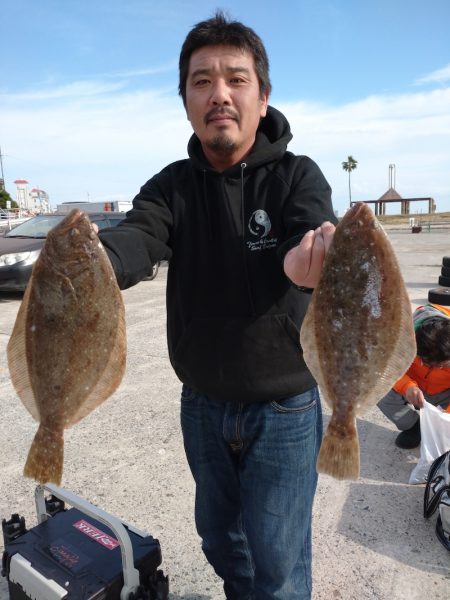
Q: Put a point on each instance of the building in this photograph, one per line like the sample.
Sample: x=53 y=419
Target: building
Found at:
x=114 y=205
x=36 y=200
x=40 y=200
x=22 y=193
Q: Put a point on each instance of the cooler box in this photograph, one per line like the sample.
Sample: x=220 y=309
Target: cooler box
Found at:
x=80 y=553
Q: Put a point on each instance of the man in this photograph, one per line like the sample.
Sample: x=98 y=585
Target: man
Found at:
x=229 y=219
x=427 y=379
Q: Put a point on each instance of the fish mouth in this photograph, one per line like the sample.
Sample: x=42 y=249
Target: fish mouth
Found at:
x=75 y=218
x=75 y=225
x=360 y=215
x=360 y=211
x=357 y=208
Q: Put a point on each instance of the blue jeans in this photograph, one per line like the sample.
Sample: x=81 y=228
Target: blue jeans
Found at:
x=254 y=469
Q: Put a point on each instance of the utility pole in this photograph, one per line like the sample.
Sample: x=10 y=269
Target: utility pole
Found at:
x=2 y=182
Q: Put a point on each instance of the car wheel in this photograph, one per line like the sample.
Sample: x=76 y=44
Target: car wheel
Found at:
x=446 y=261
x=439 y=295
x=445 y=271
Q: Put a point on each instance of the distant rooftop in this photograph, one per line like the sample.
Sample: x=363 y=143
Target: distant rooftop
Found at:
x=391 y=194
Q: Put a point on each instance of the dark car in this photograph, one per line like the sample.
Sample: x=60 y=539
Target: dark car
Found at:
x=20 y=247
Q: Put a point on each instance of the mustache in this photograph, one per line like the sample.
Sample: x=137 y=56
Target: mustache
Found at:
x=221 y=111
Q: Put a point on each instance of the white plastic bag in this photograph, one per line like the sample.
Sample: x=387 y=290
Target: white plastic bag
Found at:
x=435 y=433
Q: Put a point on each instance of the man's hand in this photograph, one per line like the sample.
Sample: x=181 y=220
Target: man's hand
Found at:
x=303 y=263
x=414 y=396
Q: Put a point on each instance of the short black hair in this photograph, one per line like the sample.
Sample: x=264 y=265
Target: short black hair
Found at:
x=220 y=31
x=433 y=340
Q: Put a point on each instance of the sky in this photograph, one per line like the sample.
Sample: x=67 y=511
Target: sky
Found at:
x=89 y=105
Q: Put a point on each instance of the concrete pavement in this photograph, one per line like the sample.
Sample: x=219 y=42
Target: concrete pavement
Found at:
x=370 y=540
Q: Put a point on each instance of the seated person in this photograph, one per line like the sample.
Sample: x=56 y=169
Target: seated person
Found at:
x=428 y=377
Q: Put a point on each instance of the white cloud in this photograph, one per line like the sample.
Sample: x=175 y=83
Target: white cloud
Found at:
x=165 y=68
x=77 y=89
x=108 y=144
x=411 y=131
x=105 y=146
x=438 y=76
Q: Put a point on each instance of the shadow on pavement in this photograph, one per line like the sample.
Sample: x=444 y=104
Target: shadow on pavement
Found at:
x=426 y=284
x=387 y=519
x=420 y=301
x=10 y=296
x=381 y=511
x=4 y=592
x=188 y=597
x=387 y=463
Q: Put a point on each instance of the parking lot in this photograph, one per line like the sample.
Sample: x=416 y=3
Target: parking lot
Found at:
x=371 y=541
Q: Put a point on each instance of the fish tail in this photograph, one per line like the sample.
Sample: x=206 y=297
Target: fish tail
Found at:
x=339 y=452
x=46 y=456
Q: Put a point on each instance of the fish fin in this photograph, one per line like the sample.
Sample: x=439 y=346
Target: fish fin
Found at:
x=46 y=456
x=111 y=376
x=17 y=358
x=402 y=351
x=404 y=346
x=339 y=454
x=311 y=352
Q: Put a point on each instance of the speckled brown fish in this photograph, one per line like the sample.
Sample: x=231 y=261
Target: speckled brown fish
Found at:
x=67 y=350
x=357 y=336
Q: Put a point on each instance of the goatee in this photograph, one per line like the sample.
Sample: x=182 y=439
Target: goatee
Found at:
x=222 y=144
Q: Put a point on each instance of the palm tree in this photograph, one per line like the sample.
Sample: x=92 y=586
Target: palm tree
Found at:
x=349 y=165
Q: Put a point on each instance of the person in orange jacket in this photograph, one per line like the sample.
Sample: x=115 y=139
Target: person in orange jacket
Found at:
x=428 y=377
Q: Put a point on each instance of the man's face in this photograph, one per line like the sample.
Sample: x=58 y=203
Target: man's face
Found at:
x=223 y=102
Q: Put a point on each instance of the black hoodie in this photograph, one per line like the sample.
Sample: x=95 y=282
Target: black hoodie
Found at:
x=233 y=317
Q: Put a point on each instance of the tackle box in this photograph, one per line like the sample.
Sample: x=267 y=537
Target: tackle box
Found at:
x=79 y=553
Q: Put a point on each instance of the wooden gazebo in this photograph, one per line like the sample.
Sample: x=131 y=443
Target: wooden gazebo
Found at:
x=393 y=196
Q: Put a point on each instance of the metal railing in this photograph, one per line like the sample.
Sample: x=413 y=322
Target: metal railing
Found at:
x=11 y=217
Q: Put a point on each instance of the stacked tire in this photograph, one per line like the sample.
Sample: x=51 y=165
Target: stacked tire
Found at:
x=441 y=295
x=444 y=279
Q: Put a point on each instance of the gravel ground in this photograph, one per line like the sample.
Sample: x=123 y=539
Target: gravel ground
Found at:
x=370 y=538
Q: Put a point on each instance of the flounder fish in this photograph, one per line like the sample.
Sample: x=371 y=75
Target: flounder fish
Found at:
x=67 y=351
x=357 y=336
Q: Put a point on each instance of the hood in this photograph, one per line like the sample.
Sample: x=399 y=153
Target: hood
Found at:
x=272 y=138
x=429 y=311
x=11 y=245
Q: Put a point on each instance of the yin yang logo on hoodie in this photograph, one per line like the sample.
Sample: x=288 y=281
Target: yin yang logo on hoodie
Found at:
x=259 y=224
